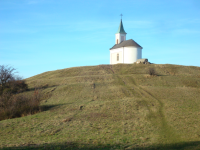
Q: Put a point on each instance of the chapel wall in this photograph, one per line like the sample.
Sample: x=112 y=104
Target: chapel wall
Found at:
x=131 y=54
x=114 y=59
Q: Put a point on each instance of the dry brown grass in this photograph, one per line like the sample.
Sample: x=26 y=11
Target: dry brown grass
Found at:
x=121 y=106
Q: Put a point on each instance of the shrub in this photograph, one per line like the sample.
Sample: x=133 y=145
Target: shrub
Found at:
x=9 y=82
x=12 y=105
x=17 y=86
x=152 y=72
x=6 y=75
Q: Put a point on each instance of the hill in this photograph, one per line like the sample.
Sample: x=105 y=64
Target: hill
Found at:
x=111 y=107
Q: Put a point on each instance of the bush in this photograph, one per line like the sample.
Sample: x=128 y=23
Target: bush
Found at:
x=9 y=82
x=12 y=105
x=15 y=86
x=152 y=72
x=6 y=75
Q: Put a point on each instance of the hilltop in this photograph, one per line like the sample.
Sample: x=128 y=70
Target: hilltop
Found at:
x=111 y=106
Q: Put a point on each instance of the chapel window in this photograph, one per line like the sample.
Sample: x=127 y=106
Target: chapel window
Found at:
x=117 y=57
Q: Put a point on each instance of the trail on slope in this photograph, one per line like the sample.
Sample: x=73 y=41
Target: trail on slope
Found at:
x=166 y=133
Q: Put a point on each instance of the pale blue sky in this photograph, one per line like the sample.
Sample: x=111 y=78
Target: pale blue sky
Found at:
x=44 y=35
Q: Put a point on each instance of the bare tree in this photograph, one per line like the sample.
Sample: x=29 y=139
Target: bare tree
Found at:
x=6 y=75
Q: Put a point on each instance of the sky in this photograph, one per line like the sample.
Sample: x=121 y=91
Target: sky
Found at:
x=45 y=35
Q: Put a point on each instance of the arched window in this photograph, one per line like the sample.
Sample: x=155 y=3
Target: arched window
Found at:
x=117 y=57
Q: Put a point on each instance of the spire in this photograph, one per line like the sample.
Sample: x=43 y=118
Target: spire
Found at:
x=121 y=28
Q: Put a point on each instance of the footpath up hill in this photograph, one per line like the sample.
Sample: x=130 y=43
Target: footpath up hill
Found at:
x=111 y=107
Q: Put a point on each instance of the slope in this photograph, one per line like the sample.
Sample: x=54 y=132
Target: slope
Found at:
x=112 y=106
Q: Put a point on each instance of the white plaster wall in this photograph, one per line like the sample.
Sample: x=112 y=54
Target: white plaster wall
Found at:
x=113 y=56
x=118 y=36
x=131 y=54
x=127 y=55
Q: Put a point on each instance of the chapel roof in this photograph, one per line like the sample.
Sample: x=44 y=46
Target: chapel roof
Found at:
x=126 y=44
x=121 y=28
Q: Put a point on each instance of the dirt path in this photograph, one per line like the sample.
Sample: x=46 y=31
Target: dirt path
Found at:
x=166 y=133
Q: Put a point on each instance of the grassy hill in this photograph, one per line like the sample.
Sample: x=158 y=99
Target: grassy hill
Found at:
x=111 y=107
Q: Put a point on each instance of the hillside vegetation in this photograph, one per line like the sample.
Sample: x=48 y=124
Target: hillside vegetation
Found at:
x=111 y=107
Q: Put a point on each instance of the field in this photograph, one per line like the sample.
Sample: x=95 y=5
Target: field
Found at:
x=111 y=107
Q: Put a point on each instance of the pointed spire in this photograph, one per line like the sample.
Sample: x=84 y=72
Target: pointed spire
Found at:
x=121 y=28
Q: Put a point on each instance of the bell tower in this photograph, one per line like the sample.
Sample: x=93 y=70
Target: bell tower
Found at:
x=120 y=36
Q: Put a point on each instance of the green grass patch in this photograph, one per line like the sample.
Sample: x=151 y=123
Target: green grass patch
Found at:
x=111 y=107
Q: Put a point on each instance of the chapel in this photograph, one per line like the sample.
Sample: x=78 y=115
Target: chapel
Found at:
x=124 y=51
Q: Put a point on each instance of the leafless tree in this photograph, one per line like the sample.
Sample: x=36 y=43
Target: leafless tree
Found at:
x=6 y=75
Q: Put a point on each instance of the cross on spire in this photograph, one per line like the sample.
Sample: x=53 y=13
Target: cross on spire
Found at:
x=121 y=28
x=121 y=16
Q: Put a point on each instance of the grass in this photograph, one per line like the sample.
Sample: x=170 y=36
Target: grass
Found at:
x=111 y=107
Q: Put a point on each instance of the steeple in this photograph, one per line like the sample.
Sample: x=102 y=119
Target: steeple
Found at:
x=120 y=36
x=121 y=28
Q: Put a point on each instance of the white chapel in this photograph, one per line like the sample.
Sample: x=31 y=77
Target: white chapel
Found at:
x=124 y=51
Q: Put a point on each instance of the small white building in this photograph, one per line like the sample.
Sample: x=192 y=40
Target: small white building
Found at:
x=124 y=51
